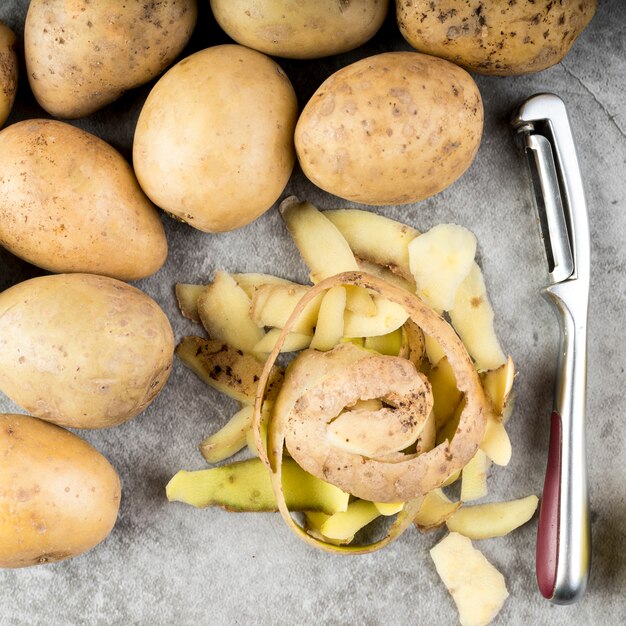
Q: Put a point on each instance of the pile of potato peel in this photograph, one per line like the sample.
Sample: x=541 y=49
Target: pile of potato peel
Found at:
x=338 y=388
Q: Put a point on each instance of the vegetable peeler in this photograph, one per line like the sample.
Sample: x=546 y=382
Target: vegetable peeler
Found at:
x=564 y=537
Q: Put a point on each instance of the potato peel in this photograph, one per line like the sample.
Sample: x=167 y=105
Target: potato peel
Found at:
x=430 y=469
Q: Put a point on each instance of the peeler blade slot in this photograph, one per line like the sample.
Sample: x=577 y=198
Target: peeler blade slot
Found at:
x=549 y=204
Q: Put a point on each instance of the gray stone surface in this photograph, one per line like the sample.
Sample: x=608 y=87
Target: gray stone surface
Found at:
x=171 y=564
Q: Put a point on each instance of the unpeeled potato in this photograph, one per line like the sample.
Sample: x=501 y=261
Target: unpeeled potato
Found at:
x=300 y=30
x=82 y=351
x=82 y=55
x=214 y=142
x=390 y=129
x=69 y=202
x=501 y=38
x=8 y=71
x=58 y=495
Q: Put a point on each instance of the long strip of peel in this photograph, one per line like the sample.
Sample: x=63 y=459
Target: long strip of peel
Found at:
x=447 y=455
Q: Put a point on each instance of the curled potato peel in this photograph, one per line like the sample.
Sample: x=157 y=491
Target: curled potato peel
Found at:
x=414 y=478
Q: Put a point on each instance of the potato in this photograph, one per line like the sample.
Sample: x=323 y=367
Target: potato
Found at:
x=82 y=55
x=476 y=586
x=214 y=140
x=8 y=71
x=69 y=202
x=390 y=129
x=301 y=30
x=58 y=495
x=501 y=38
x=81 y=350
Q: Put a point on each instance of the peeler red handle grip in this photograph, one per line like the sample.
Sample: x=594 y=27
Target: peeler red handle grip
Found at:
x=548 y=532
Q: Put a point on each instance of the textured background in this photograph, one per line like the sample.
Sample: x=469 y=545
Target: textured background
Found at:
x=171 y=564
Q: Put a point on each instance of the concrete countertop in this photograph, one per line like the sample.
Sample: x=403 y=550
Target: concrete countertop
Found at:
x=171 y=564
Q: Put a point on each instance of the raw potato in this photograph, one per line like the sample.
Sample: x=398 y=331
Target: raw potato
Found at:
x=58 y=495
x=246 y=486
x=223 y=367
x=329 y=328
x=229 y=439
x=376 y=238
x=498 y=384
x=364 y=135
x=446 y=396
x=187 y=296
x=435 y=510
x=501 y=38
x=389 y=317
x=474 y=477
x=472 y=318
x=496 y=443
x=272 y=305
x=313 y=524
x=82 y=351
x=251 y=282
x=477 y=587
x=440 y=259
x=224 y=310
x=324 y=249
x=82 y=55
x=214 y=141
x=300 y=30
x=69 y=202
x=345 y=524
x=484 y=521
x=8 y=71
x=390 y=344
x=389 y=508
x=295 y=342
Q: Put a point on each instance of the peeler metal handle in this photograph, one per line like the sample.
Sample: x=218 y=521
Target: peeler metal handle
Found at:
x=563 y=539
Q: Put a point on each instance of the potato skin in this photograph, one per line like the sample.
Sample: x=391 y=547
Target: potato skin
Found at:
x=82 y=55
x=390 y=129
x=81 y=350
x=8 y=72
x=301 y=30
x=69 y=202
x=214 y=140
x=58 y=495
x=499 y=38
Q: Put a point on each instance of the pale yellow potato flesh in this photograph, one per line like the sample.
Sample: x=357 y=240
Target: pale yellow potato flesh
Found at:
x=476 y=586
x=498 y=384
x=187 y=297
x=314 y=521
x=250 y=281
x=472 y=317
x=474 y=477
x=483 y=521
x=390 y=344
x=81 y=56
x=496 y=443
x=433 y=350
x=446 y=396
x=300 y=30
x=435 y=510
x=439 y=260
x=389 y=508
x=389 y=317
x=323 y=248
x=329 y=328
x=346 y=524
x=273 y=304
x=408 y=284
x=8 y=71
x=224 y=310
x=229 y=439
x=376 y=238
x=293 y=343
